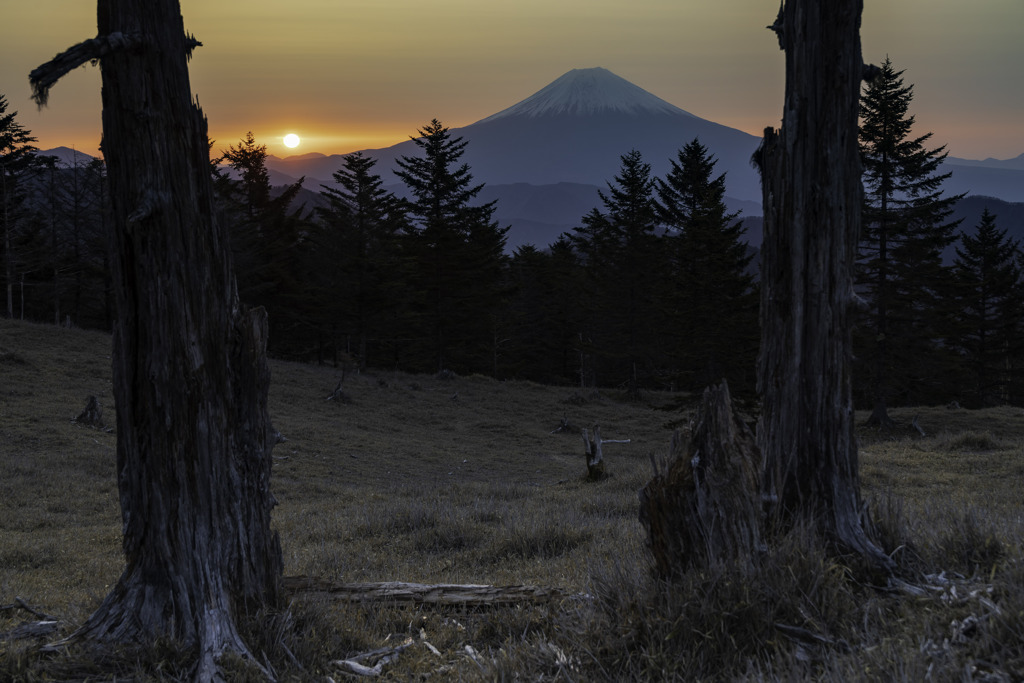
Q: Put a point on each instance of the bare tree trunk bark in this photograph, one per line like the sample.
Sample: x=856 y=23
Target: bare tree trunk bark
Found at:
x=811 y=180
x=8 y=263
x=190 y=371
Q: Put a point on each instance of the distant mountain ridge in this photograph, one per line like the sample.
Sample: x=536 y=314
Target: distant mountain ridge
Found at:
x=575 y=130
x=1014 y=164
x=1003 y=179
x=544 y=158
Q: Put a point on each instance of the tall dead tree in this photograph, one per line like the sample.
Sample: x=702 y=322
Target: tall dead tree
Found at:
x=190 y=371
x=811 y=181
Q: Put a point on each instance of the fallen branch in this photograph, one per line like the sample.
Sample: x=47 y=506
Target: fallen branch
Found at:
x=19 y=603
x=31 y=629
x=384 y=657
x=564 y=427
x=420 y=593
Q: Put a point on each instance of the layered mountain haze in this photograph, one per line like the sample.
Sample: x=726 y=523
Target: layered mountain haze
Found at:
x=575 y=130
x=999 y=178
x=544 y=158
x=1014 y=164
x=554 y=149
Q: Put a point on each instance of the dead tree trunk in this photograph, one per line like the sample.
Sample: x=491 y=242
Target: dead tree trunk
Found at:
x=190 y=371
x=705 y=505
x=811 y=181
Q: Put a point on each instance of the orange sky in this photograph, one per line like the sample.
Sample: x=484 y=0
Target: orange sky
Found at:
x=347 y=75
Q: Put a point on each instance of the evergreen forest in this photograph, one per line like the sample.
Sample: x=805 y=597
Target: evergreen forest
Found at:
x=656 y=287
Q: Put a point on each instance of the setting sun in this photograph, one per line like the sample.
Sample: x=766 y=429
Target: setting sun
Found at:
x=291 y=140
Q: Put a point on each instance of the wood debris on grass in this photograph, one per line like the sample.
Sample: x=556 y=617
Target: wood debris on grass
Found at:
x=420 y=593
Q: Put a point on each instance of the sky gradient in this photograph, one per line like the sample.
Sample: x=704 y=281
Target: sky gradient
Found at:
x=348 y=75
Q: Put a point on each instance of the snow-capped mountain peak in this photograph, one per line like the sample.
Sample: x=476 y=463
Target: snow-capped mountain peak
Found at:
x=584 y=92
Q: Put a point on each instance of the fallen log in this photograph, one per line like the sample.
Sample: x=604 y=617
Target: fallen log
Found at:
x=31 y=629
x=421 y=593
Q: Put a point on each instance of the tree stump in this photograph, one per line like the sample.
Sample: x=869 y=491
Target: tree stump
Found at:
x=705 y=506
x=339 y=395
x=92 y=414
x=592 y=454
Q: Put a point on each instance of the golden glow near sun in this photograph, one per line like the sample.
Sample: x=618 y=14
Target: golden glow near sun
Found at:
x=291 y=140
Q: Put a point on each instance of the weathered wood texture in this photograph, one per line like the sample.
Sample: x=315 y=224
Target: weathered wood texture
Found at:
x=421 y=593
x=189 y=368
x=593 y=454
x=705 y=505
x=92 y=414
x=811 y=180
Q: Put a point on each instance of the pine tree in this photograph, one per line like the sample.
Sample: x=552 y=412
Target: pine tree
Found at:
x=543 y=318
x=625 y=263
x=905 y=229
x=16 y=159
x=358 y=259
x=267 y=239
x=714 y=322
x=458 y=254
x=991 y=309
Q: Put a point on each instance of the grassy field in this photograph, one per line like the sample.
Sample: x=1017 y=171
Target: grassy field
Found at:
x=462 y=480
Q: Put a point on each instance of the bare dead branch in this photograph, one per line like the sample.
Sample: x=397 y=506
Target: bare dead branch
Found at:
x=43 y=77
x=19 y=603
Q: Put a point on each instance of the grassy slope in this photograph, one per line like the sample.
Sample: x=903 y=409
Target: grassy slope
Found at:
x=423 y=479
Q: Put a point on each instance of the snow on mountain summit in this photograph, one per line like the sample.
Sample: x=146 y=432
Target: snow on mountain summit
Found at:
x=585 y=92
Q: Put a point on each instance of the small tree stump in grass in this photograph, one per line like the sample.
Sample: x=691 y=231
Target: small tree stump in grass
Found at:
x=593 y=455
x=705 y=505
x=92 y=415
x=339 y=395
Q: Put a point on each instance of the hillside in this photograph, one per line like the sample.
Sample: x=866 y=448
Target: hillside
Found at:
x=418 y=478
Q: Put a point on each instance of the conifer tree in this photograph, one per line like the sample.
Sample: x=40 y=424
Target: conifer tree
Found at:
x=358 y=258
x=457 y=251
x=904 y=231
x=268 y=246
x=991 y=310
x=624 y=261
x=16 y=159
x=543 y=318
x=714 y=332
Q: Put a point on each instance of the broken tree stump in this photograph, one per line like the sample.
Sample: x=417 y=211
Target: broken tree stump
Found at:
x=704 y=505
x=92 y=414
x=339 y=394
x=593 y=455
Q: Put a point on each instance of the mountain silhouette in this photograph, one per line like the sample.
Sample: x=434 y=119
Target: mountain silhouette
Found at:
x=575 y=130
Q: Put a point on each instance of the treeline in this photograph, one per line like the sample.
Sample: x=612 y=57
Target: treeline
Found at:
x=422 y=282
x=656 y=288
x=55 y=219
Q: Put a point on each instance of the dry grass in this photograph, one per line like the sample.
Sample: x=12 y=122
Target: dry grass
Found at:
x=461 y=480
